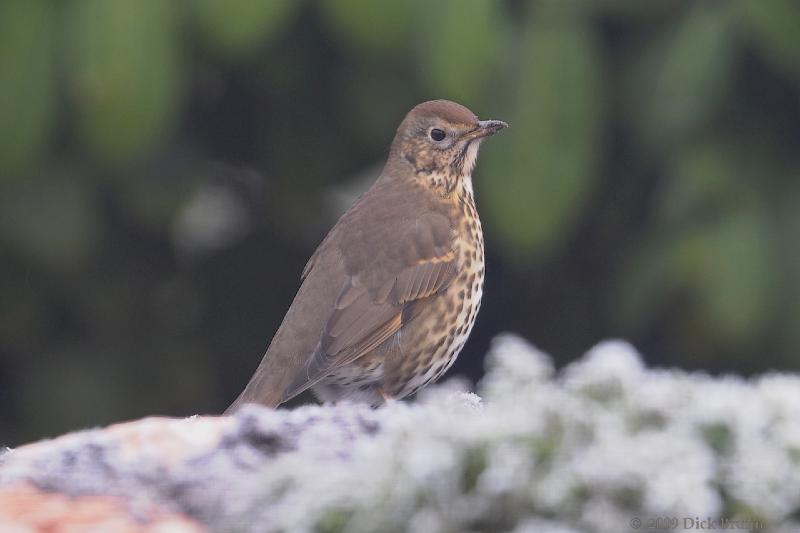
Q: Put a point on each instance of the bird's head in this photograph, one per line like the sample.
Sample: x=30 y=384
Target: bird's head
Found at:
x=441 y=139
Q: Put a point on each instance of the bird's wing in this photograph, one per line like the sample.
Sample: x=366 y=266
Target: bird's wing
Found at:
x=418 y=263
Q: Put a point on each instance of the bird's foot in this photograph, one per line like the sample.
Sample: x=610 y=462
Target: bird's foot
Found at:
x=387 y=399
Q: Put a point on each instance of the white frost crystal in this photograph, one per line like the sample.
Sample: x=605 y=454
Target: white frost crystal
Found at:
x=594 y=448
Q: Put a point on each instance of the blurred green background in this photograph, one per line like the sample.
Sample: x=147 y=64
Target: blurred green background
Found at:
x=166 y=168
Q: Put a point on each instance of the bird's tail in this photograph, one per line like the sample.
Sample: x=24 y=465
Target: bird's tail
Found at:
x=256 y=392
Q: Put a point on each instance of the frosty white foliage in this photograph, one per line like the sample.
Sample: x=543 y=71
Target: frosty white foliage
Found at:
x=604 y=442
x=593 y=448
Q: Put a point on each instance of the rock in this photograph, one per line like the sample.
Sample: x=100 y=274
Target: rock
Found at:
x=24 y=508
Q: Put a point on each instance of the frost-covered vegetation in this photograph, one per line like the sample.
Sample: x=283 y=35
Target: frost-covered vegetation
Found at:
x=605 y=445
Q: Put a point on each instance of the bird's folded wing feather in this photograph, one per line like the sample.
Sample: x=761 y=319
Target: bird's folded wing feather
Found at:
x=369 y=308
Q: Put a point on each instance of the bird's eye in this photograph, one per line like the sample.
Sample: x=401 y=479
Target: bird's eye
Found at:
x=437 y=134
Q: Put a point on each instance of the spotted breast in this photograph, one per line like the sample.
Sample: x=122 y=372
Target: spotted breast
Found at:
x=445 y=326
x=427 y=346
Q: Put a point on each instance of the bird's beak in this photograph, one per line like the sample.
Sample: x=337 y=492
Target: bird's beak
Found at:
x=485 y=128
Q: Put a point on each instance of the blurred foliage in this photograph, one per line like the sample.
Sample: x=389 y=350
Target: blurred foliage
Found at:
x=27 y=85
x=238 y=28
x=167 y=167
x=548 y=169
x=123 y=73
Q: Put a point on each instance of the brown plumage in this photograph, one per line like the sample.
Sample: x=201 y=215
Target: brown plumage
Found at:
x=389 y=297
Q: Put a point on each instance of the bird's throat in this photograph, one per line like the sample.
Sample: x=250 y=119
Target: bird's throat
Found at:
x=442 y=182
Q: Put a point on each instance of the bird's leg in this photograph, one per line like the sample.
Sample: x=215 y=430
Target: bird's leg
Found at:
x=387 y=399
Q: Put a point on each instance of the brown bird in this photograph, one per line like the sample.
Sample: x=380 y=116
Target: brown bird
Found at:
x=389 y=297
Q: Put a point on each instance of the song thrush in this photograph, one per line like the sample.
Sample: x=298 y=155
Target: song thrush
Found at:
x=389 y=297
